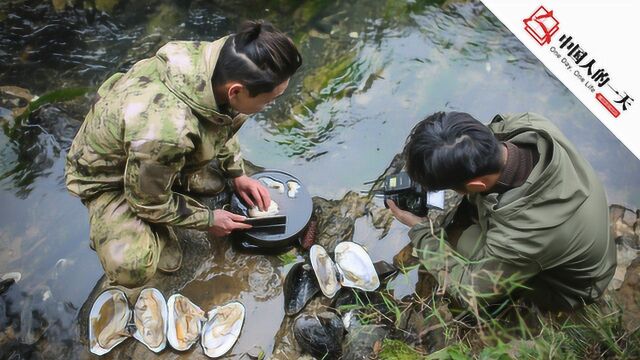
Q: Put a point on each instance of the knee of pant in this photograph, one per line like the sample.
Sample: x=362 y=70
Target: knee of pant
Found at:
x=132 y=268
x=131 y=276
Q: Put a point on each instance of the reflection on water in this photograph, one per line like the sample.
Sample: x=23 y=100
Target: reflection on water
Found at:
x=372 y=69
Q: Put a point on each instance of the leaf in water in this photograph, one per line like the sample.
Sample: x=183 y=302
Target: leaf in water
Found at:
x=59 y=95
x=288 y=258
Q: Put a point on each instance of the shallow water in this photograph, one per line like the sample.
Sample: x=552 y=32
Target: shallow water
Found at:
x=372 y=70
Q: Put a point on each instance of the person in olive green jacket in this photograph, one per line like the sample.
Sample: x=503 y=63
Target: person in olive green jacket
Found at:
x=540 y=226
x=151 y=135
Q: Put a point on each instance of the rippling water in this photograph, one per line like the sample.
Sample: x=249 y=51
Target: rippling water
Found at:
x=372 y=70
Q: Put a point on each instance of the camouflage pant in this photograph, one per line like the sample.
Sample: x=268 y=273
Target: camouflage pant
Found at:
x=128 y=247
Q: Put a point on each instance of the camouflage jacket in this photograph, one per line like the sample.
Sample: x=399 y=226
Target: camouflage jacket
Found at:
x=149 y=126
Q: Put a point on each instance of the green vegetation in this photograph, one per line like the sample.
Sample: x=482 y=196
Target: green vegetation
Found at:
x=54 y=96
x=398 y=350
x=288 y=258
x=431 y=327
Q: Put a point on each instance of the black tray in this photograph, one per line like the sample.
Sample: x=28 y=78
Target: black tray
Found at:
x=297 y=210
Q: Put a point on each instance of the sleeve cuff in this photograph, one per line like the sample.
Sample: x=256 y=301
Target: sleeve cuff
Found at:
x=210 y=223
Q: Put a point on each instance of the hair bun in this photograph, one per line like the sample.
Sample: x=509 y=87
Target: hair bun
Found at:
x=250 y=31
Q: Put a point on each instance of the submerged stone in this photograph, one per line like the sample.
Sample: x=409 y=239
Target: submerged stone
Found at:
x=320 y=335
x=360 y=343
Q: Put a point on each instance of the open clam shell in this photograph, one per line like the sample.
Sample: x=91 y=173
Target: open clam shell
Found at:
x=355 y=267
x=222 y=329
x=108 y=321
x=150 y=315
x=184 y=322
x=325 y=270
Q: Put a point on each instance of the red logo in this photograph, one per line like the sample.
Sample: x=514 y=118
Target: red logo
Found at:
x=541 y=25
x=608 y=105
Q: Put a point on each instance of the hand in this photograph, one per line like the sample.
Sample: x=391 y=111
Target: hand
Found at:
x=252 y=192
x=225 y=222
x=404 y=216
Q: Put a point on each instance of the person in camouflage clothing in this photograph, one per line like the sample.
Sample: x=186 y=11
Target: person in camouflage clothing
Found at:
x=151 y=135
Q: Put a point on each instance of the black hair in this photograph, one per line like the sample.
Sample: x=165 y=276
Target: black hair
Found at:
x=258 y=56
x=446 y=150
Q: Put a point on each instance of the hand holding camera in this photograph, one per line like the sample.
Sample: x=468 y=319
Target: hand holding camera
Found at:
x=404 y=216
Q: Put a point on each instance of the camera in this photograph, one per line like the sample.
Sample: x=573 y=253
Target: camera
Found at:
x=409 y=195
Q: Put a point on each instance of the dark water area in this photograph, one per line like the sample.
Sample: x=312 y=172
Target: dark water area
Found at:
x=372 y=69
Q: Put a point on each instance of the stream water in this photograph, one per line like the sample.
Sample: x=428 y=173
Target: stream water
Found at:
x=372 y=69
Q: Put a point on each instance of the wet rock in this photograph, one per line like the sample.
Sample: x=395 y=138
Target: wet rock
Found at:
x=405 y=257
x=350 y=320
x=264 y=280
x=624 y=256
x=300 y=286
x=384 y=269
x=350 y=296
x=625 y=224
x=13 y=101
x=427 y=284
x=381 y=218
x=336 y=218
x=625 y=231
x=33 y=321
x=320 y=335
x=628 y=297
x=362 y=342
x=434 y=337
x=285 y=346
x=5 y=284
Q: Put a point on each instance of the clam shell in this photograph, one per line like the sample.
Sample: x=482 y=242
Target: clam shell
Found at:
x=355 y=267
x=300 y=286
x=162 y=313
x=197 y=317
x=325 y=270
x=320 y=335
x=117 y=322
x=222 y=329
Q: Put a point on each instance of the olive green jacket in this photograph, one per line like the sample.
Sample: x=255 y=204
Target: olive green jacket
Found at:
x=149 y=126
x=553 y=231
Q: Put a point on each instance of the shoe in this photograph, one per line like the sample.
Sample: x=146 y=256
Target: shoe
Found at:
x=171 y=254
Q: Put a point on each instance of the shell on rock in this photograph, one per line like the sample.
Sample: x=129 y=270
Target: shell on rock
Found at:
x=355 y=267
x=300 y=286
x=222 y=329
x=325 y=270
x=184 y=322
x=108 y=321
x=150 y=315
